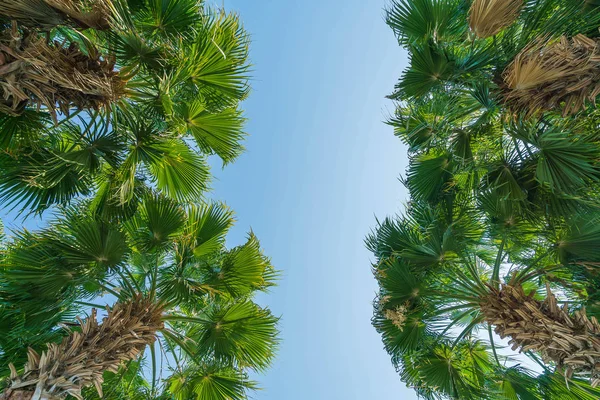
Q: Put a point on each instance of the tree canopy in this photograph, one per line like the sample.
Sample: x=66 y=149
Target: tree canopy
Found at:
x=501 y=230
x=121 y=96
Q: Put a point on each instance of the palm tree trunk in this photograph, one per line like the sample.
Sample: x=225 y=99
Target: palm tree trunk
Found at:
x=48 y=14
x=83 y=356
x=33 y=70
x=570 y=340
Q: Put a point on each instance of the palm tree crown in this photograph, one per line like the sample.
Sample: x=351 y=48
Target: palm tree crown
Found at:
x=179 y=296
x=104 y=98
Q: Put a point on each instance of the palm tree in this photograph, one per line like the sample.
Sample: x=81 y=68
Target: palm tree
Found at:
x=162 y=50
x=99 y=108
x=503 y=178
x=446 y=283
x=180 y=299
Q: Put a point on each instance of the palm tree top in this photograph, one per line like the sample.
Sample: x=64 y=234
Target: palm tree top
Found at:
x=171 y=256
x=112 y=110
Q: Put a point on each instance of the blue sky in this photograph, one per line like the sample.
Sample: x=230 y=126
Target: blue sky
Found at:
x=320 y=165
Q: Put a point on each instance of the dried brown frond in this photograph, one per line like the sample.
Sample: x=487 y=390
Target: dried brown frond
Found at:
x=549 y=75
x=488 y=17
x=48 y=14
x=53 y=75
x=571 y=340
x=82 y=357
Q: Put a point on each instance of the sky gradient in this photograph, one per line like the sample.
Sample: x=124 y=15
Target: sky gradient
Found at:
x=320 y=165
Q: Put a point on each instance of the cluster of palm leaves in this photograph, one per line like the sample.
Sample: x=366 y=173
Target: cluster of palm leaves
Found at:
x=206 y=328
x=489 y=280
x=109 y=110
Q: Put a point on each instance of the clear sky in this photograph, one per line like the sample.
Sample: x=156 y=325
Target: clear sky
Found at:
x=320 y=165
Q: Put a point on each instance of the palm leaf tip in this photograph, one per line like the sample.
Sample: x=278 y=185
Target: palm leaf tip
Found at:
x=489 y=17
x=549 y=74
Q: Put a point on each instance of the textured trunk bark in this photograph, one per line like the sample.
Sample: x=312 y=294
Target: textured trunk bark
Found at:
x=96 y=18
x=16 y=395
x=82 y=357
x=50 y=74
x=48 y=14
x=572 y=341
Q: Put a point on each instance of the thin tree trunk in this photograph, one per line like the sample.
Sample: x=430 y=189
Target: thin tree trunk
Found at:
x=572 y=341
x=82 y=357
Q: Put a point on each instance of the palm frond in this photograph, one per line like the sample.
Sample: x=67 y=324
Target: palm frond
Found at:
x=416 y=21
x=216 y=133
x=488 y=17
x=211 y=383
x=242 y=333
x=554 y=74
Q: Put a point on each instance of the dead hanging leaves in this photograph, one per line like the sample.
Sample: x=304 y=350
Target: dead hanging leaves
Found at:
x=48 y=14
x=572 y=341
x=83 y=356
x=488 y=17
x=554 y=74
x=54 y=75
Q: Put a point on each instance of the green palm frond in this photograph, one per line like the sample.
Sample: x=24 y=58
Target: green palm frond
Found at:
x=430 y=67
x=159 y=221
x=429 y=176
x=391 y=237
x=564 y=164
x=417 y=21
x=242 y=270
x=83 y=239
x=399 y=284
x=217 y=60
x=39 y=180
x=211 y=383
x=179 y=171
x=207 y=226
x=517 y=383
x=580 y=240
x=445 y=369
x=242 y=333
x=168 y=18
x=554 y=387
x=216 y=133
x=22 y=130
